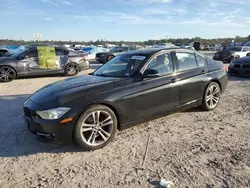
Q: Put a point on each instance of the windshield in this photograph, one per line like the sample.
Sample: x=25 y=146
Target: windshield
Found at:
x=116 y=49
x=121 y=66
x=20 y=51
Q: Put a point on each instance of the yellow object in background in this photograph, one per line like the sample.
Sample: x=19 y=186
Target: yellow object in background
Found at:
x=46 y=57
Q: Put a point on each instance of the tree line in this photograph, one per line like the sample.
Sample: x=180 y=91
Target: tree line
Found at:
x=180 y=41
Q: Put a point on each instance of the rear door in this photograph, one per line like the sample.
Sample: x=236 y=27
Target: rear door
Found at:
x=192 y=70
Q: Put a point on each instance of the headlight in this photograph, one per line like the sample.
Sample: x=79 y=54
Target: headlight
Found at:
x=55 y=113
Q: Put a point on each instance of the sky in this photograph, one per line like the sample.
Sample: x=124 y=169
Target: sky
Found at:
x=129 y=20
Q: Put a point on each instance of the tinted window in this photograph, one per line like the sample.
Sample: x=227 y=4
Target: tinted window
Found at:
x=246 y=49
x=60 y=52
x=162 y=63
x=3 y=53
x=200 y=60
x=32 y=53
x=186 y=60
x=125 y=49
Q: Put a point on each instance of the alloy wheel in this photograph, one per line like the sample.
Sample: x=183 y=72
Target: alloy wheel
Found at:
x=72 y=69
x=7 y=74
x=213 y=96
x=97 y=128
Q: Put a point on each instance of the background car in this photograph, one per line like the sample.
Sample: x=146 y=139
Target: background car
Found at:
x=131 y=88
x=240 y=66
x=41 y=60
x=104 y=57
x=90 y=52
x=231 y=53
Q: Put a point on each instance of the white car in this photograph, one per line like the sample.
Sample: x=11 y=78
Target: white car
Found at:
x=242 y=53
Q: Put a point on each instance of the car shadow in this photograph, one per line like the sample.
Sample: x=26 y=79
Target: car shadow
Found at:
x=16 y=139
x=238 y=78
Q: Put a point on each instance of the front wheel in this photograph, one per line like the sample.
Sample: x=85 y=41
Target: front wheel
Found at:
x=71 y=69
x=96 y=127
x=7 y=74
x=211 y=97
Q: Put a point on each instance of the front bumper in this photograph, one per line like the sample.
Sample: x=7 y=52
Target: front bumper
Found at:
x=83 y=65
x=53 y=130
x=239 y=71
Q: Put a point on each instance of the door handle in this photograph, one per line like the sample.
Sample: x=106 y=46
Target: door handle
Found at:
x=172 y=80
x=203 y=72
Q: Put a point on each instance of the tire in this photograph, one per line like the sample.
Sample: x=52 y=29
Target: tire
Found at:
x=91 y=135
x=71 y=69
x=231 y=59
x=211 y=97
x=7 y=74
x=109 y=57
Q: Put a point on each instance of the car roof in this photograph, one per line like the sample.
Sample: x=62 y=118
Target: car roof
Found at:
x=150 y=51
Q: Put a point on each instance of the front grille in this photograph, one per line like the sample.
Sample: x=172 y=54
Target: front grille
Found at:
x=27 y=112
x=246 y=66
x=237 y=66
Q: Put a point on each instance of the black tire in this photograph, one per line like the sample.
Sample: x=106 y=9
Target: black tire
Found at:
x=7 y=74
x=81 y=135
x=71 y=69
x=231 y=59
x=109 y=57
x=209 y=99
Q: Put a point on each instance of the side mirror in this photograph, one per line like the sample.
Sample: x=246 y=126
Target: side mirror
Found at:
x=150 y=73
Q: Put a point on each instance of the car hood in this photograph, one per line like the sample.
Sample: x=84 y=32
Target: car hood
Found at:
x=242 y=60
x=55 y=89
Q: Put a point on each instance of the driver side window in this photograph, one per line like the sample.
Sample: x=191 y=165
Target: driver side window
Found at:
x=162 y=64
x=32 y=53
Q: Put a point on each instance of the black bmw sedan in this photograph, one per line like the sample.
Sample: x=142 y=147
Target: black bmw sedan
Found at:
x=130 y=89
x=240 y=66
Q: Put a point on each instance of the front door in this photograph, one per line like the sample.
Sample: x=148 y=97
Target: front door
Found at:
x=30 y=64
x=157 y=94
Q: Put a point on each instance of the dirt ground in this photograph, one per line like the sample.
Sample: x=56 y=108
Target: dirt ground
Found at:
x=191 y=149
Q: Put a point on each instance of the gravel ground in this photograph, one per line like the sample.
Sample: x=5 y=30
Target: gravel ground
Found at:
x=191 y=149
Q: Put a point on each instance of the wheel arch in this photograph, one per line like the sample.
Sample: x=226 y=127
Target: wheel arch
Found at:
x=10 y=67
x=209 y=82
x=104 y=103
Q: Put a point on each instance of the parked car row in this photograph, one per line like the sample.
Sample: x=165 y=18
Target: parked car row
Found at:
x=230 y=54
x=104 y=57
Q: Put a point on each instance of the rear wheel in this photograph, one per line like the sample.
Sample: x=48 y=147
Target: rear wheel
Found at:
x=7 y=74
x=71 y=69
x=96 y=127
x=211 y=97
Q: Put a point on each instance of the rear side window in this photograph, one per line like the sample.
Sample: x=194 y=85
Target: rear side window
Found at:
x=200 y=60
x=186 y=60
